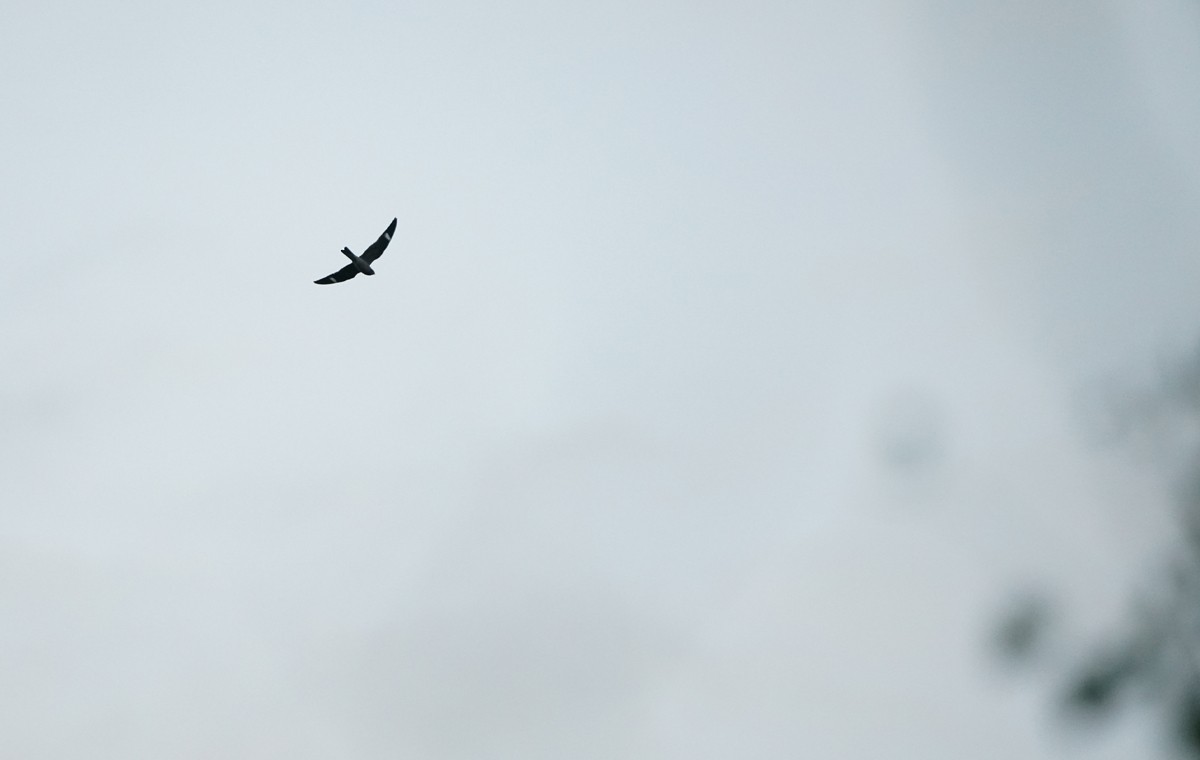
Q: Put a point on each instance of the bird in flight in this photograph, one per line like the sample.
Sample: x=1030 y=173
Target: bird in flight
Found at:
x=360 y=263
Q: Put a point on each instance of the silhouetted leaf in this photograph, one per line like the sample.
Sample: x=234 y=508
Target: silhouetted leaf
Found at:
x=1097 y=687
x=1187 y=725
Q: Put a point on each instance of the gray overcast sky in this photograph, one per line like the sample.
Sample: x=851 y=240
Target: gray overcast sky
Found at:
x=597 y=465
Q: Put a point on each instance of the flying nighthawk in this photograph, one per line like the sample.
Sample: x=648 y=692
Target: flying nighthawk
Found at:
x=360 y=263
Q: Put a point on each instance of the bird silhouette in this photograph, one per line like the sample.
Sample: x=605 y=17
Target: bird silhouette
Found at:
x=360 y=263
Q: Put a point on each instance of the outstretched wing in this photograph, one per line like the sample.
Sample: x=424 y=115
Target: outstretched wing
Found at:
x=341 y=275
x=375 y=250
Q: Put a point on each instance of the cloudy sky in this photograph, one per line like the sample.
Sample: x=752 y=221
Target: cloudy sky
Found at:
x=718 y=386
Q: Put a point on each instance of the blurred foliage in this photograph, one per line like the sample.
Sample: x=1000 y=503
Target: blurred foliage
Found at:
x=1023 y=628
x=1155 y=658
